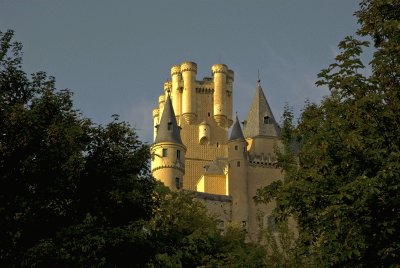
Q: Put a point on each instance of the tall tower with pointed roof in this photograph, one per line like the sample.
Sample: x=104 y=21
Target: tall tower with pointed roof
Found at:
x=192 y=149
x=168 y=151
x=238 y=168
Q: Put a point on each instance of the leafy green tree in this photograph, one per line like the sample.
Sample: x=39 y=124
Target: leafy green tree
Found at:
x=71 y=193
x=343 y=185
x=184 y=236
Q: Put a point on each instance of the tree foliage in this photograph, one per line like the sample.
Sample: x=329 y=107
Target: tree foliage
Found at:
x=343 y=184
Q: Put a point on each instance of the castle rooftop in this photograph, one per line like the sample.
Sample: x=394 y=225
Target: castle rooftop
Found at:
x=168 y=130
x=260 y=120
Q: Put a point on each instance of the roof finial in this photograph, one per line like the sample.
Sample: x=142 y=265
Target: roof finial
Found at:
x=258 y=76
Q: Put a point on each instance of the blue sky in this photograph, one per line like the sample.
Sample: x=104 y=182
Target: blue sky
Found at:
x=116 y=55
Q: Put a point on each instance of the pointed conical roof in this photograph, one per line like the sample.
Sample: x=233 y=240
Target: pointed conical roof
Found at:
x=260 y=120
x=236 y=132
x=168 y=130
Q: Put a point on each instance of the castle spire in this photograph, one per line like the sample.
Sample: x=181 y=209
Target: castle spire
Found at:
x=236 y=132
x=168 y=130
x=260 y=120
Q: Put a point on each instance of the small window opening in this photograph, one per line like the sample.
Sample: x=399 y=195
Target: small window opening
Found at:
x=178 y=183
x=178 y=154
x=164 y=152
x=236 y=147
x=209 y=114
x=244 y=149
x=169 y=125
x=217 y=145
x=266 y=119
x=238 y=163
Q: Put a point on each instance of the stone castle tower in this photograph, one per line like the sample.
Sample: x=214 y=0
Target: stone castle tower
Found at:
x=192 y=150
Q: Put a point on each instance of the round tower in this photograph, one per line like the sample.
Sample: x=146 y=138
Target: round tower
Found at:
x=168 y=151
x=176 y=92
x=229 y=96
x=189 y=71
x=237 y=174
x=219 y=72
x=161 y=101
x=156 y=114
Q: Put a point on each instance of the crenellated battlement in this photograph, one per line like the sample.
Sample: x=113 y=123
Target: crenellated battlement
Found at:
x=219 y=68
x=175 y=69
x=168 y=86
x=188 y=66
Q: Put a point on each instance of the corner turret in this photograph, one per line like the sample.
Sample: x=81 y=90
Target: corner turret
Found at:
x=168 y=151
x=237 y=173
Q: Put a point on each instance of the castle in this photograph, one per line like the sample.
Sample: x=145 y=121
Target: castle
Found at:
x=192 y=149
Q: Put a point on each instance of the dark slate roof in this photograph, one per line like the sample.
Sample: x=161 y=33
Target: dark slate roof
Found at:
x=236 y=132
x=260 y=120
x=171 y=133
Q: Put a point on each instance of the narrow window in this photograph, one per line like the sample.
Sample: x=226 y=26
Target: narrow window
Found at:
x=169 y=126
x=178 y=154
x=236 y=147
x=244 y=149
x=238 y=163
x=209 y=114
x=164 y=152
x=217 y=145
x=266 y=119
x=178 y=183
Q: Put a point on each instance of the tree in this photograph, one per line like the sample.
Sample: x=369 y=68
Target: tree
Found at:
x=71 y=193
x=342 y=185
x=185 y=236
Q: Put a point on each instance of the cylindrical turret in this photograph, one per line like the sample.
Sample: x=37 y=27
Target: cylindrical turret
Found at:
x=219 y=72
x=189 y=71
x=167 y=87
x=156 y=114
x=161 y=101
x=229 y=96
x=168 y=164
x=176 y=94
x=237 y=174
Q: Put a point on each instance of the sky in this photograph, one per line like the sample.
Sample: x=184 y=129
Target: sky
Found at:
x=116 y=55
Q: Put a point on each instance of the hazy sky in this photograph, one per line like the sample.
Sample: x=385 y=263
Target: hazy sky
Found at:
x=116 y=55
